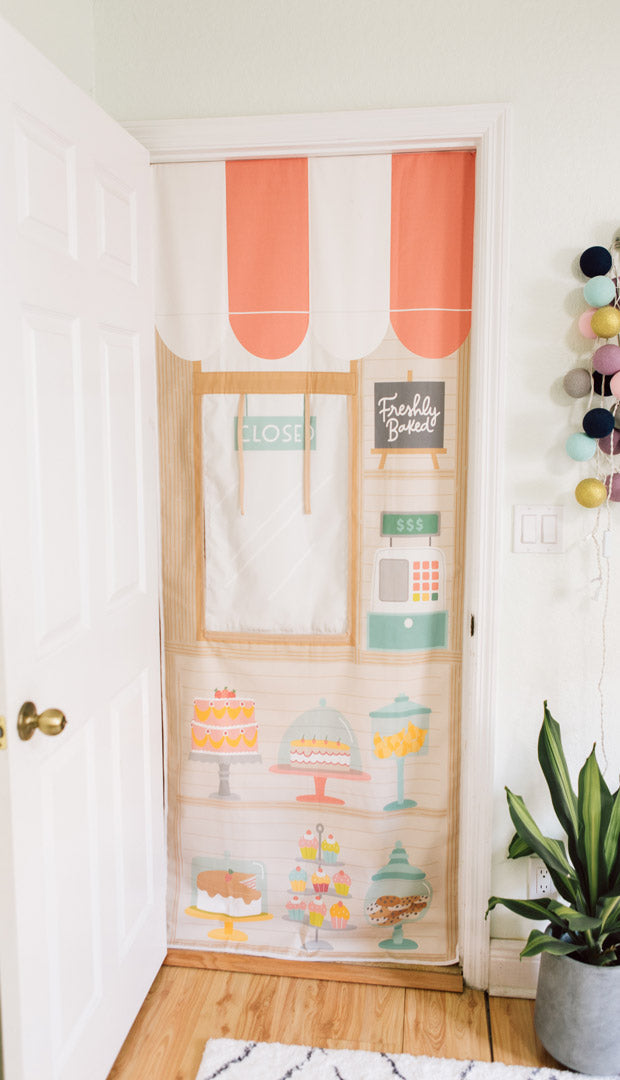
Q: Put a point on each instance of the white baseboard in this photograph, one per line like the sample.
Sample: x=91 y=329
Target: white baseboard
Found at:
x=509 y=976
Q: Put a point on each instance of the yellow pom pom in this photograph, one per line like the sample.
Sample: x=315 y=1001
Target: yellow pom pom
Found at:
x=590 y=492
x=606 y=322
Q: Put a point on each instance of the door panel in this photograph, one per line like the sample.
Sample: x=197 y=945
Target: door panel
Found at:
x=82 y=914
x=122 y=464
x=53 y=363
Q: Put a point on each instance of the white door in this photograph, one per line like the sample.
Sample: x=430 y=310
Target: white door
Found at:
x=81 y=813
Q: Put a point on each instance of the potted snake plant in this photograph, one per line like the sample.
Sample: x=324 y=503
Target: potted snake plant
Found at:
x=577 y=1012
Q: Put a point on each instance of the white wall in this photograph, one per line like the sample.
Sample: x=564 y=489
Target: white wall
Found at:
x=554 y=62
x=62 y=30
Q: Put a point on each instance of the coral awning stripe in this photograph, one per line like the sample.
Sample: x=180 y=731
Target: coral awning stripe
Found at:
x=432 y=237
x=268 y=260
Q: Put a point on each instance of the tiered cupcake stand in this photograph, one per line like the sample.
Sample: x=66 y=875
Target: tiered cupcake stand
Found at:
x=317 y=942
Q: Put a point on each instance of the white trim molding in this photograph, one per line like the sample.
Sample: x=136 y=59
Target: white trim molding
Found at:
x=484 y=128
x=509 y=975
x=319 y=134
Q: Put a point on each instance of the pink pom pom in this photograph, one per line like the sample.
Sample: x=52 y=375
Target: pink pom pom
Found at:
x=584 y=324
x=607 y=359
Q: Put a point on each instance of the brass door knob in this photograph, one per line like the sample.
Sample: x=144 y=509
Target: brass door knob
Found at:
x=50 y=722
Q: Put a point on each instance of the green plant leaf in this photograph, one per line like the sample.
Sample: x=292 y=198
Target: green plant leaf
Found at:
x=539 y=942
x=528 y=909
x=517 y=848
x=611 y=840
x=560 y=915
x=608 y=910
x=573 y=919
x=594 y=805
x=552 y=852
x=555 y=769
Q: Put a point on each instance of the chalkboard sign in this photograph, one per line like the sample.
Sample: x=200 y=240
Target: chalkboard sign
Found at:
x=409 y=415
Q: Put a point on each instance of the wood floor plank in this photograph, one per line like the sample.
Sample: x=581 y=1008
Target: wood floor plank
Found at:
x=340 y=1015
x=161 y=1030
x=272 y=1009
x=234 y=1006
x=446 y=1025
x=187 y=1006
x=513 y=1035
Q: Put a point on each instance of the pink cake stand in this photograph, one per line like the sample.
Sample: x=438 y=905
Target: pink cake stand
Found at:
x=321 y=776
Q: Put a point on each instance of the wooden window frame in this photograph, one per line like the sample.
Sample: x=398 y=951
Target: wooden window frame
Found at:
x=342 y=384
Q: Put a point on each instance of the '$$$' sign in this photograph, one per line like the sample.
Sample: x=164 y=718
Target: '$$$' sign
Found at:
x=409 y=524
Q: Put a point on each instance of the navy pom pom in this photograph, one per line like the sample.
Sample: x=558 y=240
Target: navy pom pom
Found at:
x=594 y=261
x=601 y=383
x=597 y=423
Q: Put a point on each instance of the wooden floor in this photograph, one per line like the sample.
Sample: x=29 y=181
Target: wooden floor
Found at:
x=187 y=1006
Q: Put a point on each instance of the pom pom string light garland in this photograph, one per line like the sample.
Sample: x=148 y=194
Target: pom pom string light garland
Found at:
x=598 y=441
x=601 y=377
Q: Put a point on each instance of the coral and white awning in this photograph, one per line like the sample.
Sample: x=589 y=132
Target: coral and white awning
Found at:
x=300 y=264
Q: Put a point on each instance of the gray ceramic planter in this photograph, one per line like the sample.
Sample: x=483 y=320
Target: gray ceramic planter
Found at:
x=577 y=1014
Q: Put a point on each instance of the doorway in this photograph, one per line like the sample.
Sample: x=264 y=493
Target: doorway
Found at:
x=476 y=619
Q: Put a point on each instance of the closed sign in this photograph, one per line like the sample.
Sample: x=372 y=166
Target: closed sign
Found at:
x=275 y=433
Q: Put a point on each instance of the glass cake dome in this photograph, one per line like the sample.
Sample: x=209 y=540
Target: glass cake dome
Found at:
x=232 y=869
x=317 y=732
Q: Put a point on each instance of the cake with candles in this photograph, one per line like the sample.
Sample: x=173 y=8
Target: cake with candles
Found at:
x=317 y=753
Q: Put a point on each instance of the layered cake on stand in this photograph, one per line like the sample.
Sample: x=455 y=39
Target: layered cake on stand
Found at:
x=224 y=731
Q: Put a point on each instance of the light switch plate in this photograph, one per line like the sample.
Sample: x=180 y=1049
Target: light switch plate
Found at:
x=538 y=529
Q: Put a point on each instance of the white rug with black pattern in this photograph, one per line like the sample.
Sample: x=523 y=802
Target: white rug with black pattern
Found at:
x=233 y=1059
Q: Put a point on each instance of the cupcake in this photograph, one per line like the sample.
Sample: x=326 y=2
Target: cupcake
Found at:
x=298 y=878
x=340 y=915
x=316 y=912
x=330 y=848
x=308 y=845
x=320 y=880
x=341 y=883
x=296 y=908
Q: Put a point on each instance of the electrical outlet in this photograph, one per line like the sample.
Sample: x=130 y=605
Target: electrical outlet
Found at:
x=539 y=881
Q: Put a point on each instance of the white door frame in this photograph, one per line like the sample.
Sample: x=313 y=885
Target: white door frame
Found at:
x=485 y=128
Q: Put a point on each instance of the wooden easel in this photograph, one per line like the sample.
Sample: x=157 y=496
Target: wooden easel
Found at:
x=432 y=450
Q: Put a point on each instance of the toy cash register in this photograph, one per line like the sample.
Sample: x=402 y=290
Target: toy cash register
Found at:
x=408 y=607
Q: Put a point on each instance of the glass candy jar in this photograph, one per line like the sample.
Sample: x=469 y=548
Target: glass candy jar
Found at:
x=400 y=893
x=397 y=734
